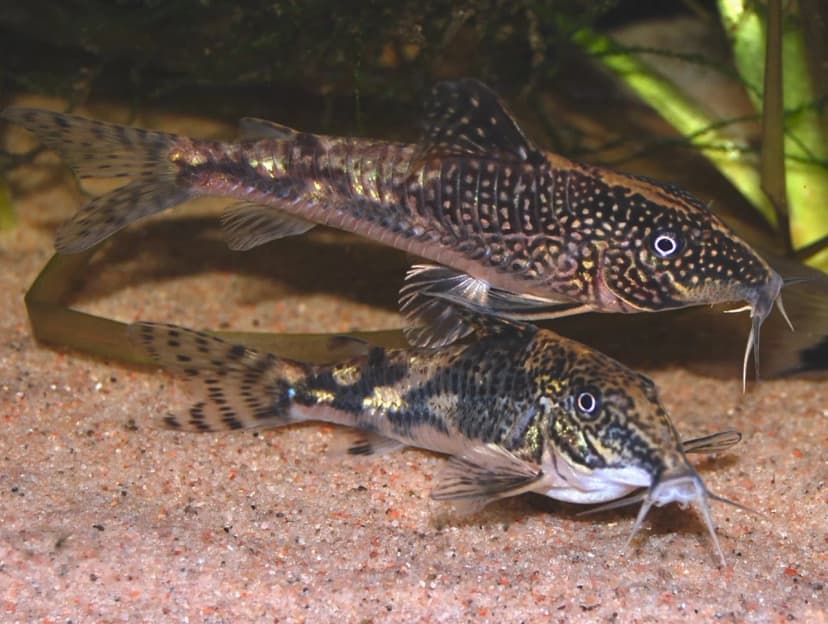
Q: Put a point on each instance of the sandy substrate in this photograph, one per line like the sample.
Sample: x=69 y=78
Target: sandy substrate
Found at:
x=106 y=517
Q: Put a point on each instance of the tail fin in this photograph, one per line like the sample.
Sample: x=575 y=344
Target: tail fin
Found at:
x=94 y=149
x=236 y=387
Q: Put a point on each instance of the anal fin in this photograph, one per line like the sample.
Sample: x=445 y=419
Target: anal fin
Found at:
x=247 y=225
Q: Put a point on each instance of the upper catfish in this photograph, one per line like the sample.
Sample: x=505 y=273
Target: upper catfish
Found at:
x=512 y=230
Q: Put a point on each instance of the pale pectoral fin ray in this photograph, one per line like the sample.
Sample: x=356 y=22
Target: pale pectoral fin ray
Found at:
x=433 y=323
x=466 y=118
x=713 y=443
x=252 y=128
x=486 y=473
x=435 y=301
x=621 y=502
x=247 y=225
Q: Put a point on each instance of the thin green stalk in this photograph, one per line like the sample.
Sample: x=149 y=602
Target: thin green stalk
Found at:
x=54 y=322
x=8 y=216
x=805 y=145
x=772 y=161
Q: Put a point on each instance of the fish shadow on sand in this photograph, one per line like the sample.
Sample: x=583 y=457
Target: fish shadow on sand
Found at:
x=344 y=266
x=324 y=261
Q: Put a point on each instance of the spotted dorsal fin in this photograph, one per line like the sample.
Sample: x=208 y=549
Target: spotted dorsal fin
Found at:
x=466 y=118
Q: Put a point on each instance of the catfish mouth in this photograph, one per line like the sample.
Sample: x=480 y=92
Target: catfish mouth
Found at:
x=760 y=299
x=682 y=489
x=684 y=486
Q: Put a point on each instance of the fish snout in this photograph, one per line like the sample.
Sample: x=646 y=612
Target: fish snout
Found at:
x=683 y=488
x=762 y=297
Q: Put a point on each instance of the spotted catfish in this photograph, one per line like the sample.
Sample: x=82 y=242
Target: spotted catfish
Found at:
x=513 y=231
x=518 y=410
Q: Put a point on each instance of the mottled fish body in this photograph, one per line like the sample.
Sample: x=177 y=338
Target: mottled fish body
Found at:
x=517 y=410
x=513 y=231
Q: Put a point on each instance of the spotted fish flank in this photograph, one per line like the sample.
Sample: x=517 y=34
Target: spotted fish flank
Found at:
x=517 y=410
x=517 y=231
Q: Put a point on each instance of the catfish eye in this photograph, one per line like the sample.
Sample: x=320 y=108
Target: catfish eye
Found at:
x=587 y=402
x=666 y=244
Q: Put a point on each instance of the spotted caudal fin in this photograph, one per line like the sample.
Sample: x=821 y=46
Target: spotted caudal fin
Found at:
x=95 y=149
x=235 y=387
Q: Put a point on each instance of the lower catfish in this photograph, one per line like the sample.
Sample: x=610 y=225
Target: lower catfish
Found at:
x=519 y=409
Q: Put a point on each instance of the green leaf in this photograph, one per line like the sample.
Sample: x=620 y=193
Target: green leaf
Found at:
x=805 y=183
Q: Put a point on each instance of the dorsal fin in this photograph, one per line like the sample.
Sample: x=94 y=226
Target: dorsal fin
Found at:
x=466 y=118
x=252 y=128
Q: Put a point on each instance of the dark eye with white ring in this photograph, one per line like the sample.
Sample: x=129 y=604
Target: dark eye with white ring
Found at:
x=666 y=244
x=587 y=402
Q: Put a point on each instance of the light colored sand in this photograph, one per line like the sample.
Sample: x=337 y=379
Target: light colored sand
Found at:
x=106 y=518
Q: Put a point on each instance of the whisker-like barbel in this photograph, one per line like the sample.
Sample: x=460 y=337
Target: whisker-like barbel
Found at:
x=682 y=486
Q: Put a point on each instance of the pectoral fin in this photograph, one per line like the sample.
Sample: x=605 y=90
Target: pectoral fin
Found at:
x=486 y=473
x=433 y=321
x=436 y=301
